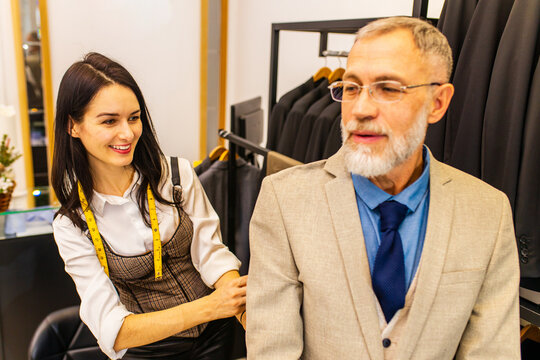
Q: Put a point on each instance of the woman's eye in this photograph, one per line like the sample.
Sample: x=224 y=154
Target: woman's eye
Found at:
x=134 y=118
x=108 y=122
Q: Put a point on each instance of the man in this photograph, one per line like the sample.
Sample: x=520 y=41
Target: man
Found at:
x=381 y=251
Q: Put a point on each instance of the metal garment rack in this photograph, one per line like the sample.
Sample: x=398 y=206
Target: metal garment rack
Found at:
x=349 y=26
x=234 y=141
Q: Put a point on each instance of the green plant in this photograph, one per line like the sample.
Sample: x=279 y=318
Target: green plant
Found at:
x=8 y=155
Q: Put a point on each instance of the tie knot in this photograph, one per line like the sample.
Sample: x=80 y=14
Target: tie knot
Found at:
x=392 y=214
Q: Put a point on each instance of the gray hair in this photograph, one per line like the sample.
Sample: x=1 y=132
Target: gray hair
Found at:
x=428 y=39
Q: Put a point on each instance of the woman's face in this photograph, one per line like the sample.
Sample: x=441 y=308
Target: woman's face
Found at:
x=110 y=128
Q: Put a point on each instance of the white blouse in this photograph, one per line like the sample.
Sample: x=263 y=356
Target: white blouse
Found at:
x=122 y=227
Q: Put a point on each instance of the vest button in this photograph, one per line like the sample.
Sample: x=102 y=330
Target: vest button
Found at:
x=386 y=342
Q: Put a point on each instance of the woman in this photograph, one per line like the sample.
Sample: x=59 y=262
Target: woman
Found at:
x=147 y=251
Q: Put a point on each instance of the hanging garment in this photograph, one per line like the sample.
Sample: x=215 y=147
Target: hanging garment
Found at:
x=454 y=21
x=527 y=206
x=215 y=183
x=334 y=141
x=281 y=109
x=465 y=117
x=321 y=129
x=295 y=116
x=306 y=126
x=508 y=97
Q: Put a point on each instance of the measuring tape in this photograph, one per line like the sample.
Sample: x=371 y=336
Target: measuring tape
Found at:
x=98 y=243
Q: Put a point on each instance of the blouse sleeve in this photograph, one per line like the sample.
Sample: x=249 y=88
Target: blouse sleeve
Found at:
x=101 y=309
x=209 y=255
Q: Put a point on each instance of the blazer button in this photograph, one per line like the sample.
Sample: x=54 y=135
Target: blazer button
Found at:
x=523 y=240
x=386 y=342
x=524 y=259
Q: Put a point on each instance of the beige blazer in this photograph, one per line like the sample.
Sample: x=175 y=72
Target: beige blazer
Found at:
x=309 y=290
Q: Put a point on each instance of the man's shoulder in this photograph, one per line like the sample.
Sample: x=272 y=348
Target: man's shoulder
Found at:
x=466 y=183
x=299 y=173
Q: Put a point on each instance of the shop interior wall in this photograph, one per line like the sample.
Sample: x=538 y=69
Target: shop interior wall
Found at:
x=157 y=41
x=250 y=37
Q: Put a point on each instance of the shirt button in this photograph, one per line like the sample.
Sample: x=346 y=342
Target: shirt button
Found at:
x=386 y=342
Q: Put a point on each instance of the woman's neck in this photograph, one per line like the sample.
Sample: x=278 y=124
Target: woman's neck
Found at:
x=113 y=181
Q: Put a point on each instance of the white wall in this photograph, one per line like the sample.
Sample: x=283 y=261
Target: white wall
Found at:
x=249 y=40
x=157 y=41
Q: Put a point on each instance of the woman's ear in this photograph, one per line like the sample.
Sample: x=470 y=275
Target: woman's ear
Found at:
x=72 y=128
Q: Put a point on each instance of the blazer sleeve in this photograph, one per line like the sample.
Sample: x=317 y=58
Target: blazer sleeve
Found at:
x=274 y=293
x=493 y=328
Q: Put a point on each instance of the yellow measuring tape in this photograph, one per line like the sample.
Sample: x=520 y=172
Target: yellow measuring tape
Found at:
x=98 y=243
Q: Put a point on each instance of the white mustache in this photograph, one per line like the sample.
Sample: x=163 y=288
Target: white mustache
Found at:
x=368 y=126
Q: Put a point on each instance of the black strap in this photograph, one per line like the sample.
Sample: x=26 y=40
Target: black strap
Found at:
x=175 y=171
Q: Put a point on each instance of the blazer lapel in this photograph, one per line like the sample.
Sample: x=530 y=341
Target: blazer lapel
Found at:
x=346 y=222
x=441 y=208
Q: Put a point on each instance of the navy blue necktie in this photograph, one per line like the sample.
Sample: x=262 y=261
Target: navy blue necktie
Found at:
x=388 y=277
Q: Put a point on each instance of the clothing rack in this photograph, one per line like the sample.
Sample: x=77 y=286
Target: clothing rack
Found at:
x=234 y=141
x=349 y=26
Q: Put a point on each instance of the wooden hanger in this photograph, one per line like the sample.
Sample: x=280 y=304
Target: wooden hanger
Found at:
x=321 y=73
x=530 y=332
x=224 y=155
x=216 y=153
x=336 y=75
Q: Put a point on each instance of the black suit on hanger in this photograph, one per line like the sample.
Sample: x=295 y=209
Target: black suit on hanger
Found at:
x=465 y=116
x=334 y=141
x=281 y=109
x=508 y=120
x=321 y=130
x=454 y=22
x=527 y=209
x=292 y=123
x=306 y=126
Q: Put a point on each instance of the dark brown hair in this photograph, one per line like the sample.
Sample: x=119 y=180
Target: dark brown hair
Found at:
x=80 y=84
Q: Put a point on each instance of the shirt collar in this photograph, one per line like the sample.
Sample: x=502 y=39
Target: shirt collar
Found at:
x=99 y=200
x=411 y=196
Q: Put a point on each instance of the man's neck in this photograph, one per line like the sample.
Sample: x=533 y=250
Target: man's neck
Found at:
x=402 y=175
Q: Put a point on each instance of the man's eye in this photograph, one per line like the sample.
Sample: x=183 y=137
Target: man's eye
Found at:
x=350 y=89
x=390 y=89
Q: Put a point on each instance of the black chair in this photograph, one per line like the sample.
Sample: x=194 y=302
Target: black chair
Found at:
x=63 y=336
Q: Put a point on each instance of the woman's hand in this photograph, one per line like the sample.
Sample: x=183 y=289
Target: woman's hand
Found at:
x=229 y=299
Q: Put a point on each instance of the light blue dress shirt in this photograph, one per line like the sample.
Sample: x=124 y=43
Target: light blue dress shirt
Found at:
x=413 y=228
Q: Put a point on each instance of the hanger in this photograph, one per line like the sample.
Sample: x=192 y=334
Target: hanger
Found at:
x=216 y=153
x=224 y=155
x=530 y=332
x=336 y=75
x=322 y=72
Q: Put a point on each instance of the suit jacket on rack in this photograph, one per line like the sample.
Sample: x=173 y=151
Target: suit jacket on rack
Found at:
x=334 y=142
x=295 y=116
x=281 y=109
x=320 y=132
x=306 y=126
x=309 y=293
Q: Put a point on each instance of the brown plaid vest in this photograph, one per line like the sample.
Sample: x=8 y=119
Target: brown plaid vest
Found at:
x=140 y=292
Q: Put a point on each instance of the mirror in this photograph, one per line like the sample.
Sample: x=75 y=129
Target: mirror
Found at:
x=31 y=34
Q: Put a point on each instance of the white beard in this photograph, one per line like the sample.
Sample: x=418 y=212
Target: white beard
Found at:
x=359 y=158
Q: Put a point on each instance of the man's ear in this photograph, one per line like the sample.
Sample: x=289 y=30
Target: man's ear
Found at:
x=441 y=100
x=72 y=128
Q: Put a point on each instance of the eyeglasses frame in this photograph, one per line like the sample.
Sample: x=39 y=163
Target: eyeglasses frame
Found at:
x=370 y=91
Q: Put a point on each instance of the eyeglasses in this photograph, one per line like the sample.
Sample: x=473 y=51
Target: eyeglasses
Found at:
x=381 y=91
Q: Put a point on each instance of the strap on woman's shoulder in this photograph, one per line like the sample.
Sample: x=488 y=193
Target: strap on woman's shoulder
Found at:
x=175 y=171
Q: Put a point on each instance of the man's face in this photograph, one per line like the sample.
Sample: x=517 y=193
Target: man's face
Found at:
x=380 y=136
